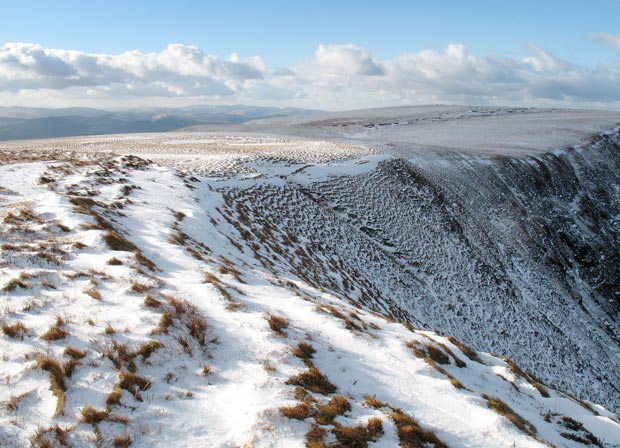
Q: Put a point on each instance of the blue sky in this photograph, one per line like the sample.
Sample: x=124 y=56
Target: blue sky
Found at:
x=282 y=32
x=287 y=33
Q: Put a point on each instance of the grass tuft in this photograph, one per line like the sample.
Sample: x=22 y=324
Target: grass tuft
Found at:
x=277 y=323
x=93 y=416
x=147 y=349
x=50 y=437
x=14 y=284
x=56 y=331
x=197 y=327
x=122 y=441
x=372 y=401
x=151 y=301
x=301 y=411
x=313 y=380
x=117 y=242
x=12 y=404
x=533 y=380
x=503 y=409
x=147 y=263
x=74 y=353
x=133 y=384
x=57 y=380
x=359 y=436
x=304 y=350
x=374 y=427
x=139 y=287
x=411 y=434
x=437 y=354
x=467 y=351
x=114 y=397
x=16 y=330
x=165 y=322
x=315 y=437
x=93 y=293
x=120 y=356
x=336 y=406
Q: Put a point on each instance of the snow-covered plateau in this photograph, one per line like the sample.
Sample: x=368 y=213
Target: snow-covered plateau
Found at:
x=441 y=276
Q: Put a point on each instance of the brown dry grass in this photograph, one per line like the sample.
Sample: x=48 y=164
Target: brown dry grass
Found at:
x=151 y=301
x=56 y=331
x=114 y=397
x=140 y=258
x=304 y=350
x=467 y=351
x=165 y=322
x=93 y=293
x=503 y=409
x=57 y=380
x=437 y=355
x=374 y=403
x=133 y=384
x=117 y=242
x=93 y=416
x=147 y=349
x=15 y=330
x=301 y=411
x=14 y=284
x=190 y=317
x=313 y=380
x=531 y=378
x=374 y=427
x=139 y=287
x=409 y=431
x=12 y=404
x=121 y=356
x=315 y=437
x=411 y=434
x=9 y=246
x=429 y=351
x=122 y=441
x=70 y=365
x=359 y=436
x=338 y=405
x=197 y=327
x=277 y=323
x=51 y=437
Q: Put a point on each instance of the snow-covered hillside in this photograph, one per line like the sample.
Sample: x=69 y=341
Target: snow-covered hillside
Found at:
x=279 y=292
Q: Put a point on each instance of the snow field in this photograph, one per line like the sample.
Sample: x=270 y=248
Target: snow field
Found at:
x=226 y=385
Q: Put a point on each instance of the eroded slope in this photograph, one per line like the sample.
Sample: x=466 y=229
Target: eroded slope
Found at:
x=136 y=311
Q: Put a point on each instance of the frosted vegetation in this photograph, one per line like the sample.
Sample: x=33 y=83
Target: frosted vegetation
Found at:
x=257 y=290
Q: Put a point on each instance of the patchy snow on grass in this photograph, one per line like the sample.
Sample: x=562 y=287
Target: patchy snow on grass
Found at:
x=136 y=311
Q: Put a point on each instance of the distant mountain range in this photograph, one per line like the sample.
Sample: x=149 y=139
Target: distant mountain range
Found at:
x=17 y=123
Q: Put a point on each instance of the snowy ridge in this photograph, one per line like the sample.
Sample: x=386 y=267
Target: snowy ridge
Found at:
x=145 y=306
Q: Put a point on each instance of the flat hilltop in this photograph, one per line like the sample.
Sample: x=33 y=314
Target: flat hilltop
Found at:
x=480 y=130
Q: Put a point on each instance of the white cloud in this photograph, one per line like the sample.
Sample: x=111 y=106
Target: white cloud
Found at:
x=335 y=77
x=606 y=39
x=346 y=60
x=177 y=70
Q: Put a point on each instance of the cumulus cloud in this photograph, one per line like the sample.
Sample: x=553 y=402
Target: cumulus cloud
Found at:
x=347 y=60
x=612 y=40
x=335 y=76
x=177 y=70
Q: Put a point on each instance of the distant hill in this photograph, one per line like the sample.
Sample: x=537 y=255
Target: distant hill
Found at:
x=17 y=123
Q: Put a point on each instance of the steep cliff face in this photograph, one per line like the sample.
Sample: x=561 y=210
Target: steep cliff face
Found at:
x=519 y=256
